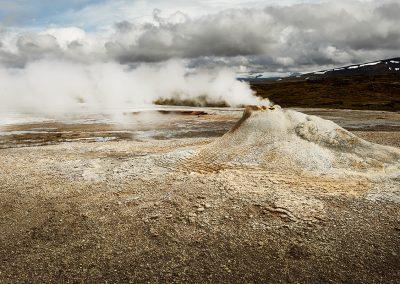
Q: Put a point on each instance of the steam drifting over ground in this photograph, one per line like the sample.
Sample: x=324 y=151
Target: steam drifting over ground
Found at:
x=131 y=61
x=49 y=86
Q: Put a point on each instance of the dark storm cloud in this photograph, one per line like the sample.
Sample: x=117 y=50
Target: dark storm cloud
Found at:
x=274 y=38
x=279 y=37
x=228 y=34
x=389 y=11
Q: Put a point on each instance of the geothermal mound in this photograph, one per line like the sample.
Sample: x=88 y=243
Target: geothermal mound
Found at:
x=290 y=141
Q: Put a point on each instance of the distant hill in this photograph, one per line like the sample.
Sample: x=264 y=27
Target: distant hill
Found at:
x=381 y=67
x=372 y=85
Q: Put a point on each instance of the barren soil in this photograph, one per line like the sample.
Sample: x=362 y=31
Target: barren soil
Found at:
x=104 y=203
x=379 y=92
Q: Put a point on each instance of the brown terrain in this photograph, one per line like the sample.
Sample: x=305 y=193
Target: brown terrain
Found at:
x=375 y=92
x=105 y=203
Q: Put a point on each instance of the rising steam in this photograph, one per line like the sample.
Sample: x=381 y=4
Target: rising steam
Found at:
x=61 y=86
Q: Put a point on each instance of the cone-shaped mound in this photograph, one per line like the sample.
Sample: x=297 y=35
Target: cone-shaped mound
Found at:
x=287 y=140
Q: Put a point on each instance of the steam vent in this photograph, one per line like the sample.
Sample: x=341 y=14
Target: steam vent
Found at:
x=282 y=140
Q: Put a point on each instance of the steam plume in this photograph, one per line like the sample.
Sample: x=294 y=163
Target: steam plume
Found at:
x=49 y=86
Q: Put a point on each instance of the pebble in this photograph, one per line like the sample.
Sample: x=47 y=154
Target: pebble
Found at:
x=153 y=232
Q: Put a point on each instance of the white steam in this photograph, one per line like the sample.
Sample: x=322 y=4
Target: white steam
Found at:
x=62 y=86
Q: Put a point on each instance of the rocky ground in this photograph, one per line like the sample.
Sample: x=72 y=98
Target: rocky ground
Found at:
x=77 y=207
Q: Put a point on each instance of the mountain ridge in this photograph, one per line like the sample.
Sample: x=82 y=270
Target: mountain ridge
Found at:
x=372 y=68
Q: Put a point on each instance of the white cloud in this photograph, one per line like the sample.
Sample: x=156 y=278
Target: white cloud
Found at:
x=134 y=61
x=277 y=38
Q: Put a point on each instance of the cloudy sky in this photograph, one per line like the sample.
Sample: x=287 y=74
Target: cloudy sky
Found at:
x=244 y=35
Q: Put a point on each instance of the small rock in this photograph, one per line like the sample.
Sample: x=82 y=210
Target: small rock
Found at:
x=153 y=232
x=200 y=209
x=156 y=216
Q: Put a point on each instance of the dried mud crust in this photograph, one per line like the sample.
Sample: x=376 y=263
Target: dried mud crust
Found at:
x=183 y=210
x=127 y=211
x=188 y=124
x=381 y=137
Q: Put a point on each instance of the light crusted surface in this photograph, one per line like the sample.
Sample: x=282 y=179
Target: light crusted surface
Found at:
x=285 y=140
x=134 y=211
x=390 y=138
